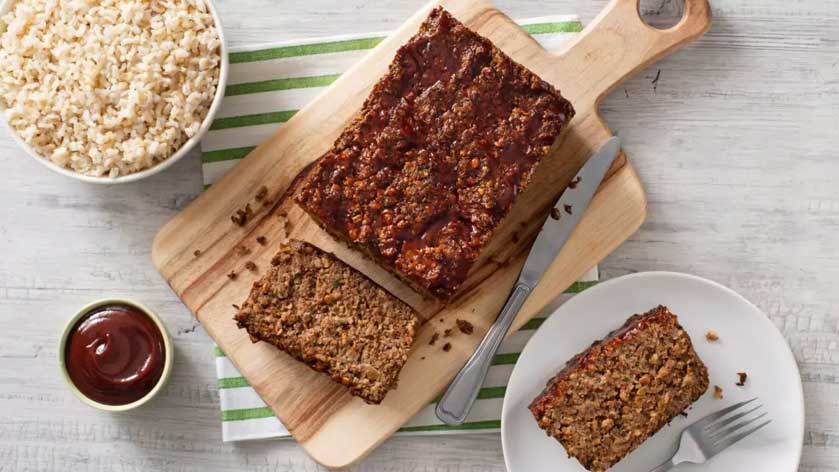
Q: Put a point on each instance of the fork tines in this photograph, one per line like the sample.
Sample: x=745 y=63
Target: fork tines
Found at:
x=734 y=423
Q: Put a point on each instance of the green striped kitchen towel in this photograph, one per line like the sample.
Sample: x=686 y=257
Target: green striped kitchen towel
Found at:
x=266 y=86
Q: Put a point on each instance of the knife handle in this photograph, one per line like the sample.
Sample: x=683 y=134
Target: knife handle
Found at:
x=459 y=397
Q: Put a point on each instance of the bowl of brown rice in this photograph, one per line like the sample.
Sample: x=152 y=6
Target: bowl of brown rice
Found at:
x=110 y=91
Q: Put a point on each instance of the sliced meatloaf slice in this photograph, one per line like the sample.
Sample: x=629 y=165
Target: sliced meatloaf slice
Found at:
x=620 y=391
x=332 y=318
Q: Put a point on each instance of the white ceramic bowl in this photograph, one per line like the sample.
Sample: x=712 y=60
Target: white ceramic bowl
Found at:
x=184 y=149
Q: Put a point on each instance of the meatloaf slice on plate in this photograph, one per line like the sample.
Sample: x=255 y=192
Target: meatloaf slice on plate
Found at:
x=331 y=317
x=620 y=391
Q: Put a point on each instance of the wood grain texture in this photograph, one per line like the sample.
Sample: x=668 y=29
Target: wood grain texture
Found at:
x=336 y=429
x=736 y=120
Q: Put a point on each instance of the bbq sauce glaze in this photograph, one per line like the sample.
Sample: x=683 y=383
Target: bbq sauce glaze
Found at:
x=115 y=354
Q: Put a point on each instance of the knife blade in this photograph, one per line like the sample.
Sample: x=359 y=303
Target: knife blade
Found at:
x=455 y=404
x=567 y=213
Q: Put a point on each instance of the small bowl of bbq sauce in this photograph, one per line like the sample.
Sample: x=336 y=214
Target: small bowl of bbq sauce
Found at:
x=115 y=354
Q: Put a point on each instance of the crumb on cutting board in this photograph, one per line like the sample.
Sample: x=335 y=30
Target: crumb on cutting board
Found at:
x=261 y=193
x=464 y=326
x=242 y=215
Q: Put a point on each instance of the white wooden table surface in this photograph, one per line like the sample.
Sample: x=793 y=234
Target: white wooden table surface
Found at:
x=736 y=144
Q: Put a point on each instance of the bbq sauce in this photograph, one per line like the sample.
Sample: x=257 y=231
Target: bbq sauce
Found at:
x=115 y=354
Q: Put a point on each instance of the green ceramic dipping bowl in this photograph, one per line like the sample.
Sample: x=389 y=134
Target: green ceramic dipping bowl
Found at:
x=167 y=348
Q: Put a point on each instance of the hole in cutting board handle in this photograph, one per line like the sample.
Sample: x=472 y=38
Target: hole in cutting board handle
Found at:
x=662 y=14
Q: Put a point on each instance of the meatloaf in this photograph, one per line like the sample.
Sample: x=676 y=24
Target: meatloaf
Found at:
x=331 y=317
x=433 y=162
x=620 y=391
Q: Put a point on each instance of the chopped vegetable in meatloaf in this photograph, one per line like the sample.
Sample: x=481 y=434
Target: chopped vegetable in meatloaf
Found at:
x=613 y=396
x=431 y=165
x=331 y=317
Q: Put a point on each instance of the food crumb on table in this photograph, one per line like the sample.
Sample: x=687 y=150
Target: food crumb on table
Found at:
x=712 y=335
x=434 y=338
x=717 y=392
x=741 y=378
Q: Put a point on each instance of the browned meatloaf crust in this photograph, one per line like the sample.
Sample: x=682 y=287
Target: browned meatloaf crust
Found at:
x=424 y=174
x=331 y=317
x=620 y=391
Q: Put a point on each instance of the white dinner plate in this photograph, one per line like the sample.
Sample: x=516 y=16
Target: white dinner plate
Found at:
x=748 y=342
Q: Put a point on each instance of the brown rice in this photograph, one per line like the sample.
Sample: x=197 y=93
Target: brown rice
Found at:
x=107 y=87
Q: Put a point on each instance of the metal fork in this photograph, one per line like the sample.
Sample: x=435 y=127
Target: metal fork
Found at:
x=712 y=434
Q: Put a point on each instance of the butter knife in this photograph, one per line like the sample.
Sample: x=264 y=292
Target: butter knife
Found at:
x=459 y=397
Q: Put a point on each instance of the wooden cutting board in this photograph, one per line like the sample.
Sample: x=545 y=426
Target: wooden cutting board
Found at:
x=335 y=428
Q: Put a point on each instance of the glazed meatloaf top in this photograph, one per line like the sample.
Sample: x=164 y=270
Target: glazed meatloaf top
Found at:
x=331 y=317
x=447 y=139
x=613 y=396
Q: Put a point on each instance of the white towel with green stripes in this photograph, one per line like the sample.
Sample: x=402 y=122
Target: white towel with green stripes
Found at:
x=266 y=86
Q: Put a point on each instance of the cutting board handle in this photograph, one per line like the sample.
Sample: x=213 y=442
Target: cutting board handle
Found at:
x=619 y=43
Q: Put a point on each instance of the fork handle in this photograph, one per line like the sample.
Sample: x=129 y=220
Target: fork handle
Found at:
x=665 y=466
